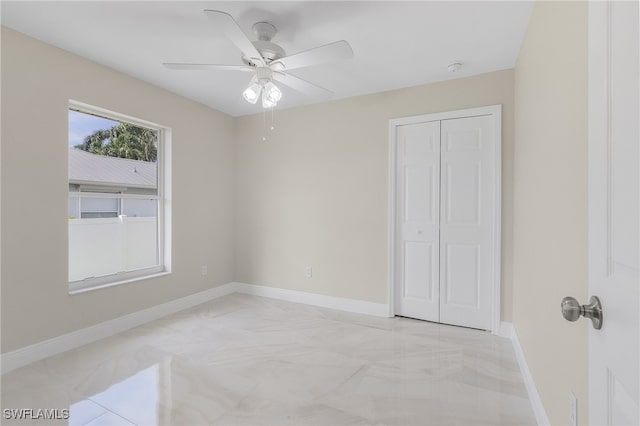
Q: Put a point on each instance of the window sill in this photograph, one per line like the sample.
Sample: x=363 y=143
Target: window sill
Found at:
x=116 y=283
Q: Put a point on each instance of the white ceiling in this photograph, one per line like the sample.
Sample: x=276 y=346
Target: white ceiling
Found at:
x=396 y=44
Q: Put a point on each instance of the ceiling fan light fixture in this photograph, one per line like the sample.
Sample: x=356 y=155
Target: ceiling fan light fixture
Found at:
x=252 y=93
x=267 y=102
x=272 y=93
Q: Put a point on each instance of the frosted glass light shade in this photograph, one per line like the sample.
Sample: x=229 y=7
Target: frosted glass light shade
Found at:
x=266 y=103
x=272 y=92
x=252 y=93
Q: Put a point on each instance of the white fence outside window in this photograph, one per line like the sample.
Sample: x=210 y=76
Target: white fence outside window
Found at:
x=105 y=246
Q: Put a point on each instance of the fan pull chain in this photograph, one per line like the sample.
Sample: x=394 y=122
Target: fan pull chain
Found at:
x=264 y=125
x=272 y=127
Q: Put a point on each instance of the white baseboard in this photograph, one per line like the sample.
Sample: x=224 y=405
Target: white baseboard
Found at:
x=24 y=356
x=508 y=330
x=339 y=303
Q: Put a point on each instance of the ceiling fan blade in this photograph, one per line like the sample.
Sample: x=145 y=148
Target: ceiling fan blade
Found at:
x=302 y=86
x=319 y=55
x=183 y=66
x=232 y=30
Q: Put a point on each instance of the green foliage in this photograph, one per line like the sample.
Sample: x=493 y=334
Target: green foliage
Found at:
x=123 y=141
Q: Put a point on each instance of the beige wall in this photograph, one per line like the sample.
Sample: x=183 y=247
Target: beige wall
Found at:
x=315 y=193
x=37 y=82
x=550 y=203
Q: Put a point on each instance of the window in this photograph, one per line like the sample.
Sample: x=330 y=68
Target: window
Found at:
x=117 y=198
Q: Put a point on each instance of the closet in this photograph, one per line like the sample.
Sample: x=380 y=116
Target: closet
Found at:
x=447 y=217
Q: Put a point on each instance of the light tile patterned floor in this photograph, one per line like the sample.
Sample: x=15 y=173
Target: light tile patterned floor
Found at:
x=247 y=360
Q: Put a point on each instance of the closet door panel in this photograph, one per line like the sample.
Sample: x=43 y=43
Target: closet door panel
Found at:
x=418 y=219
x=466 y=221
x=462 y=265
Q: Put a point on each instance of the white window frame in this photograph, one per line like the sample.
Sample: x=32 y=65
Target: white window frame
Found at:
x=163 y=197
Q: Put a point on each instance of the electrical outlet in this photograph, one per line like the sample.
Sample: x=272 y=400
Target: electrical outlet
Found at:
x=573 y=410
x=204 y=271
x=308 y=272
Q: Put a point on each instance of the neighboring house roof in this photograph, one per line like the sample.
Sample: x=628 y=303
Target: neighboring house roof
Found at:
x=87 y=168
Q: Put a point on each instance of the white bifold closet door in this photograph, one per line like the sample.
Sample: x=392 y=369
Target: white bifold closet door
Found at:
x=419 y=193
x=446 y=174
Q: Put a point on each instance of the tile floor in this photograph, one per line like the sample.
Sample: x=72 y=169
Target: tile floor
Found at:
x=247 y=360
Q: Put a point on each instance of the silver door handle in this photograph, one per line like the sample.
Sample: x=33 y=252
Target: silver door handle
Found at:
x=572 y=310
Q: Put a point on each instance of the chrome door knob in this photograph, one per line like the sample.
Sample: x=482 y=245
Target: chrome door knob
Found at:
x=572 y=310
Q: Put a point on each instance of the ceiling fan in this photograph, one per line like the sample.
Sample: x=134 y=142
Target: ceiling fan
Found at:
x=268 y=61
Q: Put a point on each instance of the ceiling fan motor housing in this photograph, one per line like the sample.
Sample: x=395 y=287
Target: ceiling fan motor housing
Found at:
x=269 y=51
x=264 y=74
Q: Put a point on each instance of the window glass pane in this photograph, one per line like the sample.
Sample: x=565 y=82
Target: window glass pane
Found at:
x=95 y=248
x=100 y=245
x=140 y=208
x=108 y=235
x=99 y=205
x=141 y=248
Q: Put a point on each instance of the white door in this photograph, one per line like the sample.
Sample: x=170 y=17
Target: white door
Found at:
x=418 y=191
x=467 y=215
x=614 y=218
